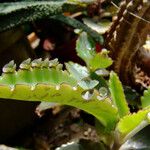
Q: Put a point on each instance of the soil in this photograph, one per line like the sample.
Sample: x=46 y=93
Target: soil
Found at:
x=57 y=126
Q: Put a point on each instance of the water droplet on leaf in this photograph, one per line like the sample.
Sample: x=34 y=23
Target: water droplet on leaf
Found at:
x=57 y=87
x=148 y=116
x=102 y=72
x=74 y=88
x=33 y=87
x=12 y=88
x=103 y=93
x=87 y=95
x=77 y=31
x=113 y=106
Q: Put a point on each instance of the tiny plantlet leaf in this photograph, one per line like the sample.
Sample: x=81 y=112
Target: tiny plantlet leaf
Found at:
x=117 y=95
x=54 y=62
x=26 y=64
x=50 y=84
x=103 y=92
x=87 y=95
x=87 y=83
x=45 y=63
x=37 y=63
x=77 y=71
x=102 y=72
x=10 y=67
x=85 y=47
x=100 y=60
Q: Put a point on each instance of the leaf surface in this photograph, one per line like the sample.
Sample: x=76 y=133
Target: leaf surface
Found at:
x=100 y=60
x=133 y=123
x=85 y=47
x=50 y=84
x=77 y=71
x=145 y=99
x=117 y=95
x=16 y=13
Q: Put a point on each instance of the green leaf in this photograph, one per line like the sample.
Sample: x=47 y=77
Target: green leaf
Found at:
x=145 y=99
x=77 y=71
x=16 y=13
x=100 y=60
x=81 y=74
x=13 y=14
x=107 y=139
x=117 y=95
x=64 y=94
x=102 y=81
x=85 y=47
x=131 y=124
x=87 y=83
x=52 y=84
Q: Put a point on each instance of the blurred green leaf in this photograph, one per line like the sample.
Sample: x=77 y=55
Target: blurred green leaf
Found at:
x=117 y=95
x=145 y=99
x=131 y=124
x=81 y=2
x=85 y=47
x=100 y=27
x=16 y=13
